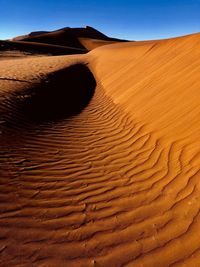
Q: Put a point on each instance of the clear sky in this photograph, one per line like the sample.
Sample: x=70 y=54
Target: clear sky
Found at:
x=130 y=19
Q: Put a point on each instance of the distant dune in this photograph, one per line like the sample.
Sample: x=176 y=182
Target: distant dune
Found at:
x=31 y=34
x=100 y=155
x=60 y=42
x=68 y=37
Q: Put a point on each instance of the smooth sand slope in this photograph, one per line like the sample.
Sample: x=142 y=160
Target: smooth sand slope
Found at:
x=111 y=176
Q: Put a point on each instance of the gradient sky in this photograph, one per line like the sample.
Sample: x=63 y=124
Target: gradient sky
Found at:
x=129 y=19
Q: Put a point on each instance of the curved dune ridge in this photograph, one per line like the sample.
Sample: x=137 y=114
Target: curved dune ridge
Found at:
x=115 y=183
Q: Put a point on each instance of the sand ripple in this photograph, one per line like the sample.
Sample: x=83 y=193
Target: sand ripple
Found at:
x=101 y=188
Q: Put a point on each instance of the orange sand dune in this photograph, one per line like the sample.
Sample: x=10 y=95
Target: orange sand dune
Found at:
x=64 y=41
x=111 y=176
x=16 y=54
x=91 y=44
x=71 y=37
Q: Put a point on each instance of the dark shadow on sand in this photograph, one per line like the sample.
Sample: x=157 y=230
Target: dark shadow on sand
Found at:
x=62 y=94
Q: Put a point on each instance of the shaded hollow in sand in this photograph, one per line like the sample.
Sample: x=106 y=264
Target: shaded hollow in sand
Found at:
x=62 y=94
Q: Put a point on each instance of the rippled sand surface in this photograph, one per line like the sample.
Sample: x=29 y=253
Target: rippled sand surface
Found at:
x=100 y=157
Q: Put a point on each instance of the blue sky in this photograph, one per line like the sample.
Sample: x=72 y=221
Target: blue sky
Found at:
x=131 y=19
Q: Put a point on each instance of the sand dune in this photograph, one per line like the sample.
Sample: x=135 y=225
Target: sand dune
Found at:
x=71 y=37
x=113 y=179
x=91 y=44
x=16 y=54
x=41 y=48
x=31 y=34
x=64 y=41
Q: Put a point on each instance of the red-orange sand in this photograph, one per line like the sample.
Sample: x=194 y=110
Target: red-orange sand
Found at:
x=116 y=184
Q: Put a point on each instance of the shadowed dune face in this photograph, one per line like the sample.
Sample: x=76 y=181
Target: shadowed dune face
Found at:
x=62 y=94
x=67 y=36
x=39 y=48
x=62 y=41
x=65 y=41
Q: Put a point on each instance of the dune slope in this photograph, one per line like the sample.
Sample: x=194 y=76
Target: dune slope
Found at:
x=65 y=41
x=67 y=36
x=115 y=183
x=73 y=37
x=39 y=48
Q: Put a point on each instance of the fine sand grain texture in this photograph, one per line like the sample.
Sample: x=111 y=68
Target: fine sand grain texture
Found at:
x=100 y=157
